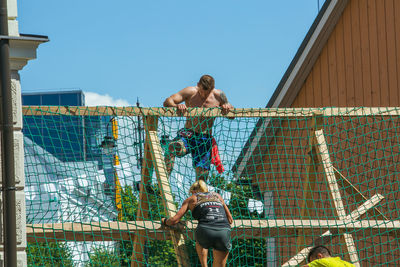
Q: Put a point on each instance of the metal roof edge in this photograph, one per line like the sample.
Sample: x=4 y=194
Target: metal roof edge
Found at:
x=34 y=37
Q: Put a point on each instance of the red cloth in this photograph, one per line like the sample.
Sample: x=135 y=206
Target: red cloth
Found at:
x=215 y=159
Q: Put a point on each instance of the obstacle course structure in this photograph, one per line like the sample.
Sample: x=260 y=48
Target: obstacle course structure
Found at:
x=322 y=192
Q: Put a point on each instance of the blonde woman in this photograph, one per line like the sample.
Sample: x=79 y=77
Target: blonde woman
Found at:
x=214 y=228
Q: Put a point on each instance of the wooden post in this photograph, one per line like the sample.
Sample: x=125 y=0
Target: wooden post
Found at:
x=309 y=183
x=139 y=240
x=317 y=145
x=323 y=154
x=300 y=257
x=165 y=189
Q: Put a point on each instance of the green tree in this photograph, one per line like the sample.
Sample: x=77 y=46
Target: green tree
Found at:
x=103 y=257
x=48 y=254
x=158 y=252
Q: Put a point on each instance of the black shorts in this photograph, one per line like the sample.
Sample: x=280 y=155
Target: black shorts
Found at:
x=217 y=238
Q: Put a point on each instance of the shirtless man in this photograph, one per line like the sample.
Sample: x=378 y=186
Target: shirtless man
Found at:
x=196 y=137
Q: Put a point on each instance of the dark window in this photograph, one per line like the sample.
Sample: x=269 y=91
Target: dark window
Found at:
x=33 y=100
x=51 y=100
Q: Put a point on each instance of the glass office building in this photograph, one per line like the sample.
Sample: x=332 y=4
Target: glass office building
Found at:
x=64 y=172
x=68 y=138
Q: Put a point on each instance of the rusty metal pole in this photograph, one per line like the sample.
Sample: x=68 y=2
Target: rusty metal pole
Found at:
x=7 y=149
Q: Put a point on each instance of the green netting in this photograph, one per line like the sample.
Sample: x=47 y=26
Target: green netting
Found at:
x=268 y=185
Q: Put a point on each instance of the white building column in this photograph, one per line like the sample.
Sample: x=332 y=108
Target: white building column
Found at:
x=22 y=49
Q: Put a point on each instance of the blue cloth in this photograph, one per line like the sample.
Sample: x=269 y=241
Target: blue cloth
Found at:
x=198 y=145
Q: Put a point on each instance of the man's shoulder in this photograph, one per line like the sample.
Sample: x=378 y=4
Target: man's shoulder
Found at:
x=190 y=90
x=217 y=91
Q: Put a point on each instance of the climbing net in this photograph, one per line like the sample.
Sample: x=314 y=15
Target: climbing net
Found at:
x=97 y=184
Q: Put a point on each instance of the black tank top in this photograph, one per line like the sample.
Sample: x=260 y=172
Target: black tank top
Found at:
x=209 y=211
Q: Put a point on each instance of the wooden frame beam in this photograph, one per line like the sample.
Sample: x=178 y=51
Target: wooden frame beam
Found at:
x=323 y=154
x=300 y=257
x=165 y=189
x=206 y=112
x=318 y=147
x=310 y=181
x=352 y=190
x=242 y=229
x=139 y=240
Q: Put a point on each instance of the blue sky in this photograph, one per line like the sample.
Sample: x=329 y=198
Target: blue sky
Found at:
x=117 y=51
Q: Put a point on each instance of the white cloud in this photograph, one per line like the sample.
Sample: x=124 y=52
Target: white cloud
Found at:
x=94 y=99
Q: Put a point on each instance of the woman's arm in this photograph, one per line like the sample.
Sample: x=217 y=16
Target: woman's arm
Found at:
x=175 y=219
x=228 y=213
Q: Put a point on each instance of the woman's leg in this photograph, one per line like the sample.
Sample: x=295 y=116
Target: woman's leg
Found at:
x=202 y=253
x=220 y=258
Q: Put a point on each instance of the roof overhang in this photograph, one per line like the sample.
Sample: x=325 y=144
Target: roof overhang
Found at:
x=23 y=48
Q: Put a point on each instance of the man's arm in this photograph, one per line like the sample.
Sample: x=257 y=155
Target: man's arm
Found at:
x=176 y=99
x=173 y=100
x=224 y=103
x=223 y=99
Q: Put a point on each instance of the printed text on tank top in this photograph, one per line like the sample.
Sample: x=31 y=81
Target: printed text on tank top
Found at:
x=209 y=211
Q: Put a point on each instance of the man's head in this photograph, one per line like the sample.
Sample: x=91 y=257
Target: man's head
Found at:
x=318 y=252
x=206 y=83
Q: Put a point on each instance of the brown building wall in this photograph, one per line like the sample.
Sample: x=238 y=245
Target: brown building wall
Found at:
x=359 y=66
x=365 y=150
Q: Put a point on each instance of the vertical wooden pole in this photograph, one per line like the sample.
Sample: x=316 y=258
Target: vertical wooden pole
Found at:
x=323 y=154
x=139 y=240
x=309 y=183
x=318 y=146
x=154 y=152
x=169 y=205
